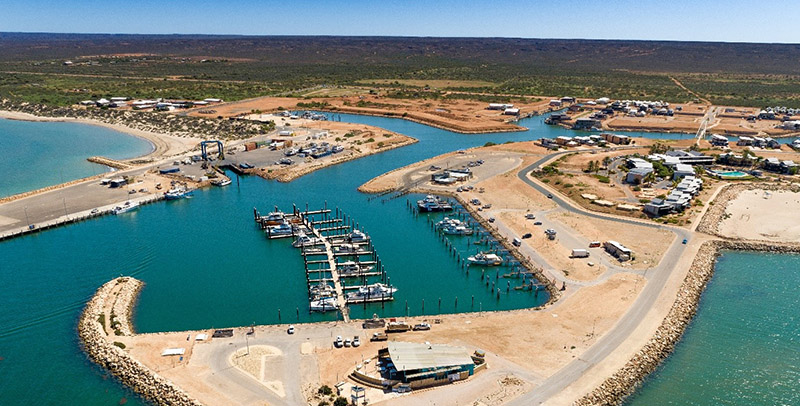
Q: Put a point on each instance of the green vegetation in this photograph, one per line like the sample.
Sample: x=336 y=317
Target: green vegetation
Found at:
x=102 y=320
x=603 y=179
x=119 y=344
x=340 y=401
x=479 y=69
x=325 y=390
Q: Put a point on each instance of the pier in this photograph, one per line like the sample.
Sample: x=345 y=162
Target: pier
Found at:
x=329 y=239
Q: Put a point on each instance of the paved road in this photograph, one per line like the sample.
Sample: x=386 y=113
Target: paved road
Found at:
x=657 y=278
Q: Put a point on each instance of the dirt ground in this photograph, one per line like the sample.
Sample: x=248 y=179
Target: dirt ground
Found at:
x=456 y=115
x=760 y=215
x=647 y=244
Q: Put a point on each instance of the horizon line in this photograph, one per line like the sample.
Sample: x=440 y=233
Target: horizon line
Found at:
x=395 y=36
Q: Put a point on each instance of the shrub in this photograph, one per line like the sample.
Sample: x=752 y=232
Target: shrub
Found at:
x=119 y=344
x=387 y=135
x=603 y=179
x=370 y=140
x=340 y=401
x=489 y=144
x=380 y=144
x=325 y=390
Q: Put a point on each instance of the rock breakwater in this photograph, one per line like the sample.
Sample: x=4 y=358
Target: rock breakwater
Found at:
x=624 y=382
x=100 y=349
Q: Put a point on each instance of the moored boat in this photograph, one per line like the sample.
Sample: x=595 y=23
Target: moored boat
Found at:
x=374 y=291
x=485 y=259
x=325 y=304
x=128 y=206
x=304 y=241
x=432 y=203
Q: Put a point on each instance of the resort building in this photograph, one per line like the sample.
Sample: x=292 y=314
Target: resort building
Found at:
x=586 y=124
x=637 y=175
x=718 y=140
x=616 y=138
x=682 y=170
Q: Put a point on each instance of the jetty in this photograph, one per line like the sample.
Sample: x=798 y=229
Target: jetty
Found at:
x=335 y=253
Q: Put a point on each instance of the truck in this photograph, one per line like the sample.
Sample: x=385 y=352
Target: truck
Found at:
x=397 y=327
x=580 y=253
x=379 y=337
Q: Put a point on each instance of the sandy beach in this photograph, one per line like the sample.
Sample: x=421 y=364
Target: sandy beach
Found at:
x=164 y=145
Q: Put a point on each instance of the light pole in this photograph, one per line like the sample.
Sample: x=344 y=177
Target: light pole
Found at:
x=27 y=220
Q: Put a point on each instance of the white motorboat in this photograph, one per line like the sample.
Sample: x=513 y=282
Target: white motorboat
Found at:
x=275 y=218
x=128 y=206
x=433 y=203
x=376 y=290
x=305 y=241
x=357 y=236
x=351 y=267
x=281 y=229
x=221 y=182
x=177 y=193
x=326 y=304
x=485 y=259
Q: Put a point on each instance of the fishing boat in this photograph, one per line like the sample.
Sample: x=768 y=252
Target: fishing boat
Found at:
x=432 y=203
x=485 y=259
x=357 y=236
x=221 y=182
x=325 y=304
x=281 y=229
x=303 y=240
x=128 y=206
x=376 y=290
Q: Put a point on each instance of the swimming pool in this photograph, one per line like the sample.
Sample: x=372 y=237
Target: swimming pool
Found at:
x=733 y=174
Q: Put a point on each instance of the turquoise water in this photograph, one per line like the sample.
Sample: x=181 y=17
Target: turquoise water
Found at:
x=39 y=154
x=743 y=347
x=205 y=264
x=733 y=174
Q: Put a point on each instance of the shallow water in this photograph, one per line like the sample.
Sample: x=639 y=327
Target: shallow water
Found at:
x=39 y=154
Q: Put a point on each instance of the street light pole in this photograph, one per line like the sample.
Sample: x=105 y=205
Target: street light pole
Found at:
x=27 y=220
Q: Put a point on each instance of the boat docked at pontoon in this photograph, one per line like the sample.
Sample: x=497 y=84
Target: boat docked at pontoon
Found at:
x=453 y=227
x=349 y=249
x=357 y=236
x=352 y=267
x=275 y=218
x=433 y=203
x=325 y=304
x=374 y=291
x=485 y=259
x=304 y=241
x=281 y=229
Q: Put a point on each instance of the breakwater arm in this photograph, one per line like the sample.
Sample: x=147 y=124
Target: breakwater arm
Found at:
x=106 y=315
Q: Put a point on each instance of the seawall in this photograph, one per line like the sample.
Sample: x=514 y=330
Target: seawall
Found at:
x=626 y=380
x=99 y=346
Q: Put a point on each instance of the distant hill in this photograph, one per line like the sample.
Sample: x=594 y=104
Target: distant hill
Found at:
x=655 y=56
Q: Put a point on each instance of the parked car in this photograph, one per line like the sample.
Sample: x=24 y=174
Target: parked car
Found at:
x=594 y=244
x=530 y=216
x=379 y=337
x=517 y=242
x=338 y=343
x=491 y=219
x=527 y=235
x=347 y=342
x=356 y=341
x=549 y=195
x=422 y=326
x=537 y=223
x=291 y=329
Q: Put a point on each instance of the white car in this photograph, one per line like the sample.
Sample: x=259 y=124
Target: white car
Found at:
x=291 y=329
x=347 y=342
x=356 y=341
x=338 y=342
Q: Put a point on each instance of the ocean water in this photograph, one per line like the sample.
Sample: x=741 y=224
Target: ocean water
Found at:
x=743 y=347
x=39 y=154
x=205 y=264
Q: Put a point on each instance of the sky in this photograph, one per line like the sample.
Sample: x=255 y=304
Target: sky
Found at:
x=682 y=20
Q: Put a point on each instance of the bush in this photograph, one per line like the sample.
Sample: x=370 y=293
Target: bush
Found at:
x=119 y=344
x=387 y=135
x=325 y=390
x=370 y=140
x=603 y=179
x=489 y=144
x=340 y=401
x=380 y=144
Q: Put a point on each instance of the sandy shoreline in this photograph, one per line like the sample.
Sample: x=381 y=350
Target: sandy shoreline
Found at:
x=162 y=145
